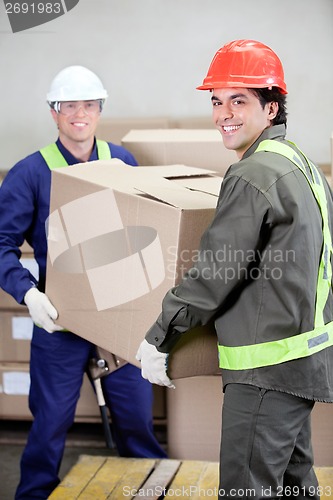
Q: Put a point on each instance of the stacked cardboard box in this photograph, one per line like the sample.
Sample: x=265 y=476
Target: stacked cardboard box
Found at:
x=15 y=336
x=15 y=384
x=15 y=322
x=201 y=148
x=114 y=129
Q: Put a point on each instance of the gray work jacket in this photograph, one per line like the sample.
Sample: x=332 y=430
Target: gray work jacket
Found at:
x=257 y=275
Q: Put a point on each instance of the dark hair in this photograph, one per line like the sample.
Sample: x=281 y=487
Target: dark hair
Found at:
x=273 y=95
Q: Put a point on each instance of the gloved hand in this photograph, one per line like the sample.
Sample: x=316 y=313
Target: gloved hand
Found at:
x=153 y=364
x=41 y=310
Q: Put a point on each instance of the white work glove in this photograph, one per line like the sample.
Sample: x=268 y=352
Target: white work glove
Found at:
x=42 y=312
x=153 y=364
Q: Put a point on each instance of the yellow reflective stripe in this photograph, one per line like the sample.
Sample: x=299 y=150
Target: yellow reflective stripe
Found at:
x=303 y=344
x=53 y=157
x=103 y=150
x=277 y=351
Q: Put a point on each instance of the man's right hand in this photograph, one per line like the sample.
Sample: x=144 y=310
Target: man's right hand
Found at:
x=42 y=312
x=153 y=364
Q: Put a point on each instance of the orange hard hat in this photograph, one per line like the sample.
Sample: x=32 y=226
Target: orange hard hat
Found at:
x=247 y=64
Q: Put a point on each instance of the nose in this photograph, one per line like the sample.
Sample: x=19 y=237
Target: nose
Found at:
x=80 y=110
x=222 y=113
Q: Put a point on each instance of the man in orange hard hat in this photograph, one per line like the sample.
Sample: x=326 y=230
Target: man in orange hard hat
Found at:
x=272 y=299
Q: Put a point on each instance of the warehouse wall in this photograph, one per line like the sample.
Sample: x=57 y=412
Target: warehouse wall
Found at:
x=151 y=54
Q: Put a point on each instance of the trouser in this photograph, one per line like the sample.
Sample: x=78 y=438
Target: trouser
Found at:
x=57 y=366
x=266 y=449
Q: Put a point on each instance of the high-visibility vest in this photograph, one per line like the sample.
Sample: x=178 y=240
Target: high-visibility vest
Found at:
x=55 y=159
x=303 y=344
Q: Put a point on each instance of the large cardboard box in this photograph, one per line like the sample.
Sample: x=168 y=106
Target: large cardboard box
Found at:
x=119 y=239
x=201 y=148
x=194 y=422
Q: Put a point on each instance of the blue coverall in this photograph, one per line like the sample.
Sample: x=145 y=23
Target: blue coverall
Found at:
x=59 y=360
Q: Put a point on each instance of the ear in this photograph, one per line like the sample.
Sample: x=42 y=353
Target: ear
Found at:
x=272 y=110
x=54 y=115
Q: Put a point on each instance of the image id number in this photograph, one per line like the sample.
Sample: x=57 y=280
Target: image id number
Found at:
x=291 y=491
x=33 y=8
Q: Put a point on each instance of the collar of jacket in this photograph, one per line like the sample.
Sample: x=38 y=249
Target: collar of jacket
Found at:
x=274 y=132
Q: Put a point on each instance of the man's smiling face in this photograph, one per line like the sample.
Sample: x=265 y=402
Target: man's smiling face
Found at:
x=240 y=117
x=80 y=126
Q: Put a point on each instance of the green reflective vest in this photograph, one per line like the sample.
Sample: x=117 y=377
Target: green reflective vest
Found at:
x=54 y=158
x=303 y=344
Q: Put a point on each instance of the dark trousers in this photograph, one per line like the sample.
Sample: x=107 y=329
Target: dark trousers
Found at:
x=266 y=449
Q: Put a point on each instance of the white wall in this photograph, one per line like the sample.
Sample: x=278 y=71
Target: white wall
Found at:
x=151 y=54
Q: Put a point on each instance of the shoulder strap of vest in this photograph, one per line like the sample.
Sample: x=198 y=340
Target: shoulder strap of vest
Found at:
x=304 y=344
x=54 y=158
x=103 y=150
x=317 y=187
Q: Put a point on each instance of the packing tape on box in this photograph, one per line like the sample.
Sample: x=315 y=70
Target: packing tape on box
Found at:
x=122 y=263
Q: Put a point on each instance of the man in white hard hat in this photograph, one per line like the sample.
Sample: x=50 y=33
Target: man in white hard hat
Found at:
x=59 y=358
x=271 y=298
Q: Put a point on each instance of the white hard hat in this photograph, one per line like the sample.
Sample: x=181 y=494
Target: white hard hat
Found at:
x=76 y=83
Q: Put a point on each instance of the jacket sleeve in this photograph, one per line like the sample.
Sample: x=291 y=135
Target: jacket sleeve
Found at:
x=227 y=250
x=123 y=154
x=16 y=214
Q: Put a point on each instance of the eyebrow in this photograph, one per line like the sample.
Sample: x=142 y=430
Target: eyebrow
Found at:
x=233 y=96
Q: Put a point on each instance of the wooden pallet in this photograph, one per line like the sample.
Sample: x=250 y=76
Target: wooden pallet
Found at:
x=100 y=478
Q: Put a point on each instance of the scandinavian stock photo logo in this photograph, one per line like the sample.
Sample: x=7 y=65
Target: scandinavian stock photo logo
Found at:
x=228 y=263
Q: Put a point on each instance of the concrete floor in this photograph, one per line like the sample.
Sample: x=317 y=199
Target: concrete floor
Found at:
x=83 y=439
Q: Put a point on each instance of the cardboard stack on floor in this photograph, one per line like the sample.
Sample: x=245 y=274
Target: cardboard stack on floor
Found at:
x=15 y=332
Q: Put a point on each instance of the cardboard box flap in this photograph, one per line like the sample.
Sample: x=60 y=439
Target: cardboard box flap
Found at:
x=129 y=180
x=106 y=173
x=112 y=173
x=175 y=194
x=174 y=171
x=115 y=170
